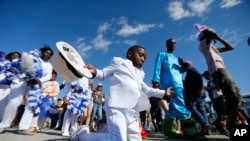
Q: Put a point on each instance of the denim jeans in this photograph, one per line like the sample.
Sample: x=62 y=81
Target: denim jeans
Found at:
x=97 y=109
x=196 y=105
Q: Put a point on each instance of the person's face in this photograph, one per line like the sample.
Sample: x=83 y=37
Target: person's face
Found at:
x=171 y=45
x=156 y=86
x=99 y=88
x=46 y=55
x=138 y=57
x=90 y=83
x=53 y=77
x=14 y=56
x=65 y=99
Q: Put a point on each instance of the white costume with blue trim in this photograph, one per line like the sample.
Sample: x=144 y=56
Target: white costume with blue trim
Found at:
x=78 y=103
x=34 y=67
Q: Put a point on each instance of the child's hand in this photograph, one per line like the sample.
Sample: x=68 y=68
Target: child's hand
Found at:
x=91 y=68
x=76 y=89
x=12 y=70
x=201 y=92
x=33 y=82
x=169 y=92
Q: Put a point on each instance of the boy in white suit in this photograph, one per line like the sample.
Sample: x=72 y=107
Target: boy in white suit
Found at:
x=128 y=95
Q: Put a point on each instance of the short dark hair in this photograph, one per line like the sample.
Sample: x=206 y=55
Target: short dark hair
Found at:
x=11 y=53
x=169 y=41
x=54 y=72
x=45 y=48
x=132 y=48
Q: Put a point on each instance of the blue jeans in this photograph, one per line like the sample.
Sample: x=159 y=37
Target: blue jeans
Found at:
x=97 y=109
x=196 y=105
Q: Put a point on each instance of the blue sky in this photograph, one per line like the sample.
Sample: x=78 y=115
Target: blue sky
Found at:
x=100 y=29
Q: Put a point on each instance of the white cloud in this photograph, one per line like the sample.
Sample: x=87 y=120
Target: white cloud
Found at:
x=122 y=21
x=130 y=42
x=160 y=25
x=229 y=3
x=138 y=29
x=103 y=28
x=100 y=43
x=118 y=27
x=82 y=47
x=177 y=11
x=127 y=30
x=234 y=37
x=192 y=37
x=79 y=40
x=199 y=7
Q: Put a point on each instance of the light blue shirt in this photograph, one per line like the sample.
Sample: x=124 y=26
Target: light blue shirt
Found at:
x=167 y=71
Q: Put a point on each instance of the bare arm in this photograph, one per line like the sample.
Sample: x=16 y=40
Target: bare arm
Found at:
x=227 y=45
x=212 y=35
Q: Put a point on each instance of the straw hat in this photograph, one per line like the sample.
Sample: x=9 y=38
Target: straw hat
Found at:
x=68 y=63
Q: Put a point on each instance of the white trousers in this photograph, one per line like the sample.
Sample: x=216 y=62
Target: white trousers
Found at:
x=4 y=91
x=26 y=119
x=123 y=125
x=38 y=122
x=69 y=120
x=14 y=99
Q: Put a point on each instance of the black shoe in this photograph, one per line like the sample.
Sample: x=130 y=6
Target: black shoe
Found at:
x=207 y=129
x=224 y=131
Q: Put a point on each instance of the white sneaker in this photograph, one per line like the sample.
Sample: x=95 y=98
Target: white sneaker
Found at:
x=2 y=130
x=84 y=129
x=65 y=134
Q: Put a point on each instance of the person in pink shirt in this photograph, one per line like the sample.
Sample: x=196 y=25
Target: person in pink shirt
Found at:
x=218 y=71
x=51 y=88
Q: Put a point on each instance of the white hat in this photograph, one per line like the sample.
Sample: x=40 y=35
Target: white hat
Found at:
x=99 y=84
x=68 y=63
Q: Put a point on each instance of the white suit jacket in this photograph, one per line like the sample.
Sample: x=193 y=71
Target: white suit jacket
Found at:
x=127 y=89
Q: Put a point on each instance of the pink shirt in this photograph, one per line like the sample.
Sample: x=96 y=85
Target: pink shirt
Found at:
x=212 y=56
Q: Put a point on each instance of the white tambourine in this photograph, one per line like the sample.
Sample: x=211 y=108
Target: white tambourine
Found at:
x=68 y=63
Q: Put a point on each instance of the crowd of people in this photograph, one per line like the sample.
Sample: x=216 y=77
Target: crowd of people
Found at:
x=29 y=84
x=171 y=106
